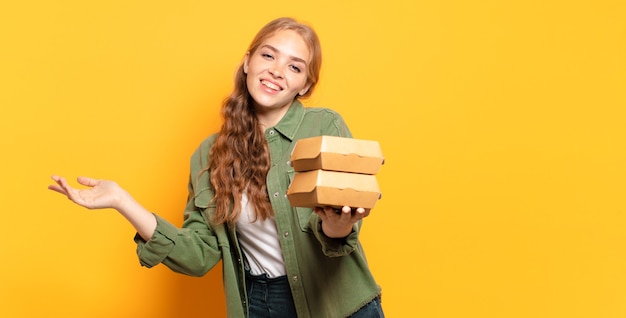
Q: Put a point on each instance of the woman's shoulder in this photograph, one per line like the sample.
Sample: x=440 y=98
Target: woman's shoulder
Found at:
x=201 y=155
x=208 y=142
x=323 y=121
x=322 y=114
x=321 y=111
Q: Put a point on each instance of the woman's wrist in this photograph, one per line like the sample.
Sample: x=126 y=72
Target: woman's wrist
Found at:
x=121 y=200
x=335 y=233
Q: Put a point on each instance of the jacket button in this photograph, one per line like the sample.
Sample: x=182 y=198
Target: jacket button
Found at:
x=286 y=234
x=295 y=278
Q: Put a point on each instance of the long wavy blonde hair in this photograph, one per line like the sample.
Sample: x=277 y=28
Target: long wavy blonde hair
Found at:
x=239 y=159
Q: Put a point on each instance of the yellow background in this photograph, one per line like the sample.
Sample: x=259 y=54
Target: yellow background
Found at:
x=502 y=123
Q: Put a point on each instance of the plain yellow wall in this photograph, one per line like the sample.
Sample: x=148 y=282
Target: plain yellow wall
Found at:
x=502 y=123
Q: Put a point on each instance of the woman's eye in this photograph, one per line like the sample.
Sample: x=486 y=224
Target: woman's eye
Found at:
x=295 y=68
x=266 y=55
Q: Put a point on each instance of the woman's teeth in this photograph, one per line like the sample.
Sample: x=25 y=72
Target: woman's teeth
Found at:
x=271 y=85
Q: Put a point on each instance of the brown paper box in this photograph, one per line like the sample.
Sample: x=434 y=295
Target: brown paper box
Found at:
x=331 y=188
x=337 y=154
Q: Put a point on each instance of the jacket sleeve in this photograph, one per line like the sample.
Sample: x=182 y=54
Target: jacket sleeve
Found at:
x=335 y=247
x=193 y=249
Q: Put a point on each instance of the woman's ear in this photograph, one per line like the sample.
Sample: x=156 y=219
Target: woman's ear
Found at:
x=304 y=90
x=245 y=62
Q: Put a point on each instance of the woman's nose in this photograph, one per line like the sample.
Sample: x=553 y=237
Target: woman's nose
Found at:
x=275 y=72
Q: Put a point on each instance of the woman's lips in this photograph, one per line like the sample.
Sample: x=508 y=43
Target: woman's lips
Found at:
x=271 y=85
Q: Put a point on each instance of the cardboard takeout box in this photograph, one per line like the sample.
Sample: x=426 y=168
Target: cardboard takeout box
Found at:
x=337 y=154
x=331 y=188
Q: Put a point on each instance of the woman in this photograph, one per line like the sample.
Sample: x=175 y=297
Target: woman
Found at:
x=278 y=261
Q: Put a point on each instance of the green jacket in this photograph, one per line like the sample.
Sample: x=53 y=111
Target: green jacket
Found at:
x=328 y=277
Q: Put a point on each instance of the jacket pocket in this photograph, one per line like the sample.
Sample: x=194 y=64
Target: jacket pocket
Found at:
x=303 y=215
x=203 y=203
x=203 y=198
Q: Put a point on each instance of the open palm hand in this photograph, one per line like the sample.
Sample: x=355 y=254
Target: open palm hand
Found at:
x=99 y=194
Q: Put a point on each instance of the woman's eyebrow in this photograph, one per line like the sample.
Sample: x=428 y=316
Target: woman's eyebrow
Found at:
x=275 y=50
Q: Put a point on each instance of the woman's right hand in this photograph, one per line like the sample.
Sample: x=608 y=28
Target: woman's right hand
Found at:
x=100 y=194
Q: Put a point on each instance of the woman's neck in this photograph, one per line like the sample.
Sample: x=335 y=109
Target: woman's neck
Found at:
x=270 y=117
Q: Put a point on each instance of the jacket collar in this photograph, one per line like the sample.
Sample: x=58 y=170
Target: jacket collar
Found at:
x=289 y=124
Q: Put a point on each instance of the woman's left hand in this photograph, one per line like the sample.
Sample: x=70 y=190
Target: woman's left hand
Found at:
x=337 y=223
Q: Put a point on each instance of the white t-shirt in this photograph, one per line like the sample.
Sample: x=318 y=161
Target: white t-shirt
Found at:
x=259 y=242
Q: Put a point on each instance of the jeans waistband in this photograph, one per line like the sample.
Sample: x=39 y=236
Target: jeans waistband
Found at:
x=263 y=278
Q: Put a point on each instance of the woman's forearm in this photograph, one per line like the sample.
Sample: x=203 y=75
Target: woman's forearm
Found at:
x=141 y=219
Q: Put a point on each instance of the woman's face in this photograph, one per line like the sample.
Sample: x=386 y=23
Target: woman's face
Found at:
x=277 y=71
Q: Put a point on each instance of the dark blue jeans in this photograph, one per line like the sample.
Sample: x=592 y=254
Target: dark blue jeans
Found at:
x=373 y=309
x=271 y=298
